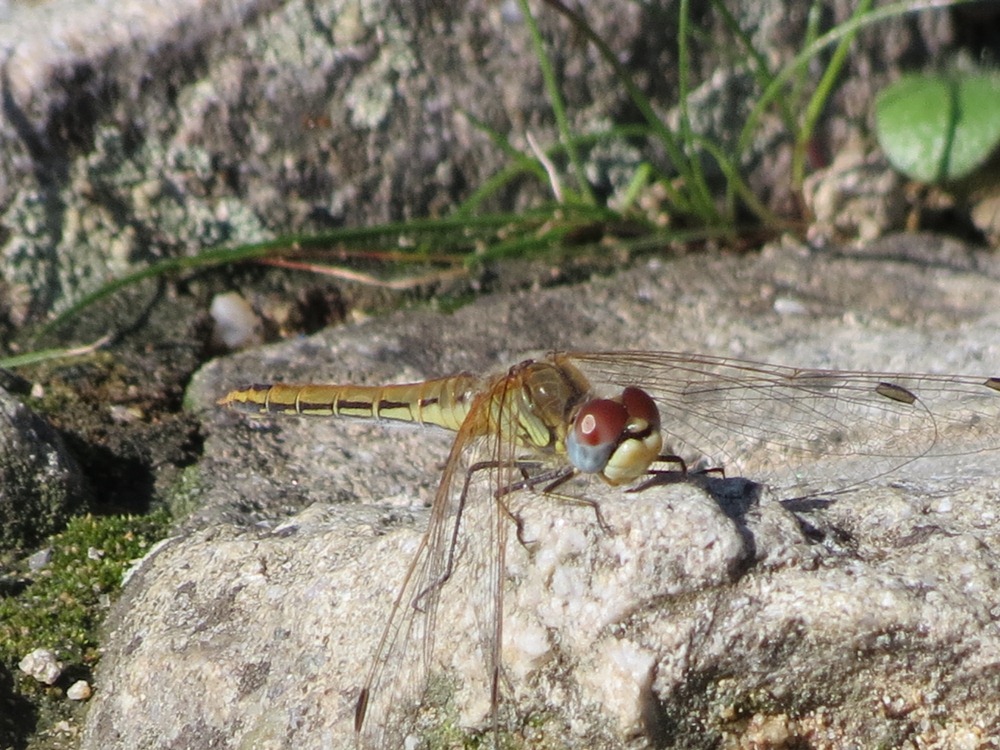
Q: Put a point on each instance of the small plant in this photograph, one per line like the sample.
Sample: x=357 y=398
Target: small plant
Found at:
x=940 y=128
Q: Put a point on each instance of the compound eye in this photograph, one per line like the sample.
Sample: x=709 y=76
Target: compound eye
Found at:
x=640 y=443
x=640 y=406
x=601 y=421
x=596 y=433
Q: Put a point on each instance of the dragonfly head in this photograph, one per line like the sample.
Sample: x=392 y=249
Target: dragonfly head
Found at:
x=617 y=438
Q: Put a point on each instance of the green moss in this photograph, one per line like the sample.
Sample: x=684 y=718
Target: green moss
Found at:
x=185 y=494
x=62 y=605
x=438 y=726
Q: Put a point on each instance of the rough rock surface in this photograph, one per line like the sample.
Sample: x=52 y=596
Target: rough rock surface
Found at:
x=40 y=483
x=710 y=613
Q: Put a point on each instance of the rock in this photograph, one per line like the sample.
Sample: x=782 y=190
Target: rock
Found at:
x=857 y=196
x=235 y=324
x=79 y=691
x=42 y=665
x=40 y=559
x=986 y=215
x=41 y=485
x=710 y=611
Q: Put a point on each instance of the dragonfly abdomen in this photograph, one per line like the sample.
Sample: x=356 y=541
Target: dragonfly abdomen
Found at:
x=443 y=402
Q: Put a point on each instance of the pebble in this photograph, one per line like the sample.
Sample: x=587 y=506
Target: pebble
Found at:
x=42 y=665
x=79 y=691
x=236 y=324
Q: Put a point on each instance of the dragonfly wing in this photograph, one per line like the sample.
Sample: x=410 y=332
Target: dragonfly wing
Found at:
x=458 y=570
x=762 y=420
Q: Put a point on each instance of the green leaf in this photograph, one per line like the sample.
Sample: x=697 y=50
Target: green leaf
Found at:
x=939 y=128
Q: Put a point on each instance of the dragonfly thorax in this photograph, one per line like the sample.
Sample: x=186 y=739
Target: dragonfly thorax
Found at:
x=534 y=401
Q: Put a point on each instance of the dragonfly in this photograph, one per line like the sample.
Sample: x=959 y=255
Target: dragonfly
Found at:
x=631 y=419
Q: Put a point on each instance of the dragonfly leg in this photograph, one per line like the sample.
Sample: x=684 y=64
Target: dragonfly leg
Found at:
x=529 y=482
x=658 y=477
x=552 y=480
x=518 y=523
x=417 y=602
x=516 y=517
x=561 y=478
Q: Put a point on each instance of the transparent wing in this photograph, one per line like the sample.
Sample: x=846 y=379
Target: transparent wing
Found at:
x=458 y=566
x=760 y=420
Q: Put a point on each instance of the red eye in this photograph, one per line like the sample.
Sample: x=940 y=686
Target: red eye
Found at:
x=601 y=421
x=639 y=405
x=616 y=438
x=597 y=432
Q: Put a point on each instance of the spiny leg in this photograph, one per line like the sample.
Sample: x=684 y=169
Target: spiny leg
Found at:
x=552 y=480
x=550 y=489
x=529 y=482
x=658 y=477
x=526 y=482
x=450 y=564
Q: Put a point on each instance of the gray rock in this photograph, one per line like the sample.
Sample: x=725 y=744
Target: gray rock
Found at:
x=41 y=485
x=40 y=560
x=709 y=612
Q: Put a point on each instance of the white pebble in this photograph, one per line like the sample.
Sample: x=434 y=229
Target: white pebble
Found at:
x=79 y=691
x=236 y=324
x=42 y=665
